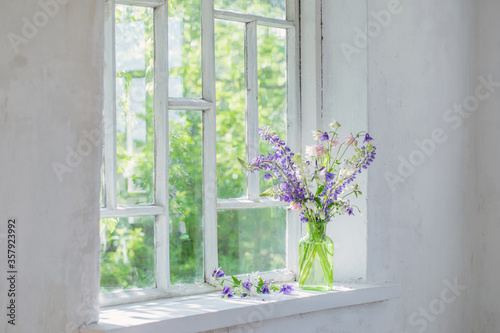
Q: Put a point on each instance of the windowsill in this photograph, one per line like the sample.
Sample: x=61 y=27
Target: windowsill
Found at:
x=183 y=314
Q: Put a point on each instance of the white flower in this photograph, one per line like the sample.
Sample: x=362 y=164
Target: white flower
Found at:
x=347 y=169
x=310 y=204
x=316 y=134
x=312 y=187
x=310 y=150
x=341 y=210
x=347 y=189
x=334 y=125
x=321 y=175
x=316 y=150
x=253 y=291
x=345 y=172
x=299 y=175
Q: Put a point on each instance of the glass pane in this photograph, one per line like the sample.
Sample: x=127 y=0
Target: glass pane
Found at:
x=230 y=81
x=252 y=239
x=184 y=48
x=185 y=206
x=134 y=104
x=269 y=8
x=127 y=253
x=271 y=60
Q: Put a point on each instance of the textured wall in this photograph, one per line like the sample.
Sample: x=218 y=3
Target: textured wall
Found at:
x=415 y=62
x=430 y=204
x=485 y=220
x=50 y=97
x=420 y=56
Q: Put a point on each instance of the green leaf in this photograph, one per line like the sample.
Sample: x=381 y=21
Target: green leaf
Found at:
x=270 y=192
x=317 y=201
x=320 y=189
x=243 y=163
x=261 y=284
x=248 y=167
x=109 y=223
x=236 y=281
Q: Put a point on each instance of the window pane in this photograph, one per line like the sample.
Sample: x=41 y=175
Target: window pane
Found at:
x=127 y=253
x=134 y=104
x=186 y=234
x=252 y=239
x=269 y=8
x=184 y=48
x=271 y=59
x=230 y=76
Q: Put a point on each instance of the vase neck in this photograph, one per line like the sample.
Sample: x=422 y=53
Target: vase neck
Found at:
x=316 y=228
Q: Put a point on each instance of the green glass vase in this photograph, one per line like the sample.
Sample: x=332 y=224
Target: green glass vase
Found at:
x=316 y=258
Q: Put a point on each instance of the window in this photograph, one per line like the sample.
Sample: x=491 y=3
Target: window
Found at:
x=187 y=84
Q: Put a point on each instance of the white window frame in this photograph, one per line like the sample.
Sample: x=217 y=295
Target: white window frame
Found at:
x=207 y=105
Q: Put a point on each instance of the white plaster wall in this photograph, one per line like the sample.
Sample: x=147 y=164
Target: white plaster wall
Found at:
x=485 y=218
x=50 y=93
x=419 y=234
x=345 y=98
x=376 y=318
x=419 y=65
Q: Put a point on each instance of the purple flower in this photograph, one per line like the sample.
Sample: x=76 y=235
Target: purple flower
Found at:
x=290 y=186
x=247 y=285
x=265 y=289
x=266 y=132
x=218 y=273
x=286 y=289
x=329 y=176
x=227 y=292
x=244 y=295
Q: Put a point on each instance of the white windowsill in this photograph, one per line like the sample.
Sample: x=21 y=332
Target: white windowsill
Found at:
x=208 y=312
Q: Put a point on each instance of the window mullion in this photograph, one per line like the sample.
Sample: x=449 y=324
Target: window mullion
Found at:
x=209 y=139
x=191 y=104
x=161 y=146
x=133 y=211
x=244 y=203
x=252 y=105
x=109 y=118
x=294 y=227
x=144 y=3
x=247 y=18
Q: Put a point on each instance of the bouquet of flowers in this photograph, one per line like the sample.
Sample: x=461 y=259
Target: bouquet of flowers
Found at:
x=318 y=185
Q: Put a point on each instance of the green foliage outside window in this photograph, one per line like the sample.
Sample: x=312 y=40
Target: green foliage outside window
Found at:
x=248 y=240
